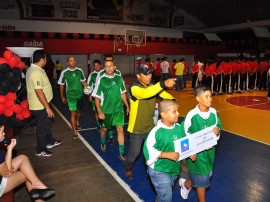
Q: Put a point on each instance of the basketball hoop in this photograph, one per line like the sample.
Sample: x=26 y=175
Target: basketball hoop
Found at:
x=136 y=41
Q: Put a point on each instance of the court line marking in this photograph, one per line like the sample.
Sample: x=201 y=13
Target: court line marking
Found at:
x=100 y=159
x=245 y=106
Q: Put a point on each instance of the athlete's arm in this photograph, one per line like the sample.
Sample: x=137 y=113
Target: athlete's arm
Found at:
x=124 y=99
x=100 y=113
x=62 y=94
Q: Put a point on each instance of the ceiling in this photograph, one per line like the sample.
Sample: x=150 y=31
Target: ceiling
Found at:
x=225 y=15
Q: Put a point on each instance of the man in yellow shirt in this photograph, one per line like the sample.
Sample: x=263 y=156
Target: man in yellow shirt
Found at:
x=179 y=71
x=39 y=95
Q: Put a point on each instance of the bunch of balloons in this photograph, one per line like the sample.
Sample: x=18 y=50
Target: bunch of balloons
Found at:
x=12 y=111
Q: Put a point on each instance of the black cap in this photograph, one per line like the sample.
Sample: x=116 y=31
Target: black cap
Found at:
x=144 y=69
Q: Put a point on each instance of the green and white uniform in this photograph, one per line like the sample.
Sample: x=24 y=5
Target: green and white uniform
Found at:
x=91 y=81
x=160 y=139
x=73 y=79
x=194 y=122
x=109 y=91
x=102 y=72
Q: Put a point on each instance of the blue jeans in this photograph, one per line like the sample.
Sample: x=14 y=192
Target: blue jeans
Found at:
x=163 y=184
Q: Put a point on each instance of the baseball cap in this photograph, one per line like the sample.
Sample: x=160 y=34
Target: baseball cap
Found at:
x=138 y=58
x=144 y=69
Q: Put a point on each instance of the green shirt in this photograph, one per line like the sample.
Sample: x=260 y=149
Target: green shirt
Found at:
x=160 y=139
x=194 y=122
x=73 y=79
x=92 y=79
x=109 y=91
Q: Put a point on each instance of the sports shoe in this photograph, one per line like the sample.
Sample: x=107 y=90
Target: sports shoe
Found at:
x=56 y=143
x=103 y=147
x=111 y=140
x=184 y=190
x=122 y=157
x=128 y=173
x=44 y=153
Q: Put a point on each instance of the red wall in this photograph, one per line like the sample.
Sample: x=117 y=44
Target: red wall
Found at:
x=83 y=46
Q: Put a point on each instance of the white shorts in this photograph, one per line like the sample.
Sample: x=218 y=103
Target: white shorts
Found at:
x=3 y=185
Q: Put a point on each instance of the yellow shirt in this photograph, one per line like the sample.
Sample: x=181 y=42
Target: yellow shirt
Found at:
x=179 y=66
x=36 y=78
x=58 y=66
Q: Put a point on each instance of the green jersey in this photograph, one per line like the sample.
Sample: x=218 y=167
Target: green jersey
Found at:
x=160 y=139
x=102 y=72
x=194 y=122
x=92 y=79
x=73 y=79
x=109 y=90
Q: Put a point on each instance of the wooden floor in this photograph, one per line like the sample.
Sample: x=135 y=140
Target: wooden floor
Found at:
x=73 y=171
x=76 y=174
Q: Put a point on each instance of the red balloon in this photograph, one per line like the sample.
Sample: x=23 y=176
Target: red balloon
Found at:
x=9 y=104
x=3 y=60
x=25 y=104
x=2 y=107
x=17 y=108
x=3 y=98
x=21 y=64
x=26 y=113
x=11 y=96
x=18 y=58
x=8 y=112
x=19 y=116
x=12 y=62
x=8 y=54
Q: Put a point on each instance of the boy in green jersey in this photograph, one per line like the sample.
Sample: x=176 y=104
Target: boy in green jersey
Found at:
x=109 y=94
x=202 y=116
x=73 y=77
x=159 y=151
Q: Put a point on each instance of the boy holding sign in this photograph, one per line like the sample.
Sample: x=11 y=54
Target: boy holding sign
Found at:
x=199 y=118
x=159 y=151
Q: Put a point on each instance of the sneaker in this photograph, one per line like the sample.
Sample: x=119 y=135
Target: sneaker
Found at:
x=184 y=190
x=111 y=140
x=103 y=147
x=56 y=143
x=44 y=153
x=122 y=157
x=128 y=173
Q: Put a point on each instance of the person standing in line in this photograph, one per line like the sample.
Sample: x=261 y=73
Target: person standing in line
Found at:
x=39 y=95
x=172 y=70
x=194 y=71
x=185 y=73
x=91 y=81
x=58 y=68
x=109 y=94
x=268 y=94
x=143 y=95
x=157 y=71
x=138 y=62
x=19 y=170
x=73 y=77
x=197 y=119
x=179 y=67
x=159 y=152
x=165 y=68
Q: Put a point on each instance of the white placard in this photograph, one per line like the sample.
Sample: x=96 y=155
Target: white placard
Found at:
x=195 y=142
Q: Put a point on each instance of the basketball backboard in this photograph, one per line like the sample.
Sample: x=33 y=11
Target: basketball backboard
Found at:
x=135 y=37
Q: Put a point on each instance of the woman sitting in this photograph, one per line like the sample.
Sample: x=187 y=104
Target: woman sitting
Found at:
x=14 y=172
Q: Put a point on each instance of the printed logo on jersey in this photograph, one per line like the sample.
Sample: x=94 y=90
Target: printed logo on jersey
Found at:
x=73 y=74
x=184 y=145
x=38 y=83
x=113 y=83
